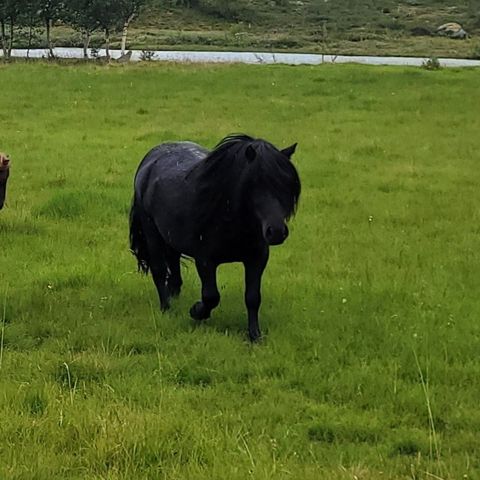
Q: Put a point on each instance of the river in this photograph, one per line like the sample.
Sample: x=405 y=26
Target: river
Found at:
x=252 y=57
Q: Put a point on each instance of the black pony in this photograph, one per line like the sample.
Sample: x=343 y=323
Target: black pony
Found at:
x=227 y=205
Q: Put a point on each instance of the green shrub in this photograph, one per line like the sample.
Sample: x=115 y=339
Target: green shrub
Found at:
x=432 y=64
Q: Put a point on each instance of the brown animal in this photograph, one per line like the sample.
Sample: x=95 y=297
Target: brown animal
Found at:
x=4 y=173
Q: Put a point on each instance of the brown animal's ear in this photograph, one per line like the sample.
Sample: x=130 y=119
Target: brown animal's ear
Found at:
x=250 y=153
x=289 y=151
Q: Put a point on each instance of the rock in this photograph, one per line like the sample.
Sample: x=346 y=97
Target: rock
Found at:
x=452 y=30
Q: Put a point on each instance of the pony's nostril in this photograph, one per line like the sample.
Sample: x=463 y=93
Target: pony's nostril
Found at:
x=269 y=232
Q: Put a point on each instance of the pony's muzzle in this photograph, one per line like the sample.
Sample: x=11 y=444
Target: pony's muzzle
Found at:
x=276 y=236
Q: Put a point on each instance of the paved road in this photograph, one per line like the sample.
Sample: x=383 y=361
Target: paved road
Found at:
x=255 y=58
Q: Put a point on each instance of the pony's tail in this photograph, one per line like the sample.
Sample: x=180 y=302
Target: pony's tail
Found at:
x=138 y=243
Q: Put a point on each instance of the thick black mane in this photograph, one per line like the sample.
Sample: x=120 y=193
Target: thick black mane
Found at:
x=237 y=164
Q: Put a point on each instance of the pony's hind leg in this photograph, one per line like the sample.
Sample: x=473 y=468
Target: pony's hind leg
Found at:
x=157 y=261
x=174 y=279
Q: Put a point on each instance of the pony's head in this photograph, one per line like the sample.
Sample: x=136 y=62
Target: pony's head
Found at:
x=273 y=188
x=258 y=179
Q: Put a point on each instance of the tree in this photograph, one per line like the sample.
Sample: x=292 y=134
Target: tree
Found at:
x=4 y=20
x=108 y=14
x=9 y=14
x=129 y=10
x=80 y=14
x=30 y=19
x=50 y=10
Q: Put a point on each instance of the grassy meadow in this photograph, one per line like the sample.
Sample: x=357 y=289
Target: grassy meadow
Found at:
x=370 y=364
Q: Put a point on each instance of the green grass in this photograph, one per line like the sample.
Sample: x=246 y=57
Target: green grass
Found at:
x=369 y=368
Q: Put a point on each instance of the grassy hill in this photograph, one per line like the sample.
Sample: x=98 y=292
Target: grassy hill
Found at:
x=368 y=26
x=375 y=27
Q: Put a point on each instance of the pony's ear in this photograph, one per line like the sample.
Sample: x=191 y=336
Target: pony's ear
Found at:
x=250 y=153
x=289 y=151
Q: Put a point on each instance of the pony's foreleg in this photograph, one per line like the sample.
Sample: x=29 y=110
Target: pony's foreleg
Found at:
x=4 y=172
x=3 y=191
x=207 y=272
x=254 y=268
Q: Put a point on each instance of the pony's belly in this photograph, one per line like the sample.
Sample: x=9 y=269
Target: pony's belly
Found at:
x=218 y=248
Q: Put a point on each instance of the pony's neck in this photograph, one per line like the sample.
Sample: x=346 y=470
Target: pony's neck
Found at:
x=219 y=193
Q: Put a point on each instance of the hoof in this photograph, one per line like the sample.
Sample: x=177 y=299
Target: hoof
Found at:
x=255 y=337
x=198 y=312
x=164 y=307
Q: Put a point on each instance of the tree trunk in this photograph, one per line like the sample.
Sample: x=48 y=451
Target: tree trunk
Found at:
x=10 y=43
x=125 y=32
x=48 y=24
x=4 y=40
x=86 y=43
x=107 y=44
x=30 y=36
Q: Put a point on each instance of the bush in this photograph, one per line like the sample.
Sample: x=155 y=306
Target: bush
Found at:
x=232 y=10
x=421 y=32
x=432 y=64
x=147 y=55
x=476 y=52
